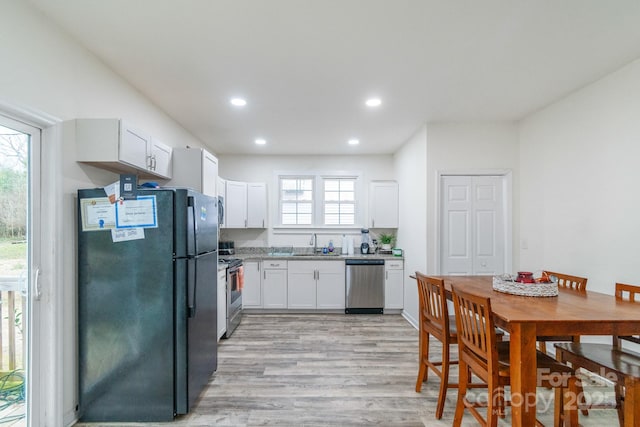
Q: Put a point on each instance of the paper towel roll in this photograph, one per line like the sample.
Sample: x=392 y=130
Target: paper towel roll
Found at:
x=345 y=245
x=350 y=245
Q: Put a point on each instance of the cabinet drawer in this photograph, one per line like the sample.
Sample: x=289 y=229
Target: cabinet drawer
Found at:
x=274 y=264
x=394 y=264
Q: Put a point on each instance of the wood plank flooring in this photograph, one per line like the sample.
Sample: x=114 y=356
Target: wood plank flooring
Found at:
x=317 y=370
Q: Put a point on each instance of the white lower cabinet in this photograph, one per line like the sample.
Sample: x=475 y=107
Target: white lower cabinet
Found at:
x=252 y=290
x=222 y=303
x=330 y=292
x=394 y=284
x=302 y=284
x=274 y=284
x=316 y=285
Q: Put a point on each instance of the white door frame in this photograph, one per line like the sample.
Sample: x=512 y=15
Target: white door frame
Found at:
x=507 y=178
x=45 y=401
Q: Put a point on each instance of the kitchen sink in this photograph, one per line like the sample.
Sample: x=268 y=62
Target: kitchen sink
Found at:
x=317 y=255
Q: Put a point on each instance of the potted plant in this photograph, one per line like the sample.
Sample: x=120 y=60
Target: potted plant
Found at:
x=386 y=240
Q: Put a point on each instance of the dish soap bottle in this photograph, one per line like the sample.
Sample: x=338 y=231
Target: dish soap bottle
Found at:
x=331 y=246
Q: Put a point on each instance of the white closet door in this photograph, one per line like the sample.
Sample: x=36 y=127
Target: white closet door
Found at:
x=472 y=225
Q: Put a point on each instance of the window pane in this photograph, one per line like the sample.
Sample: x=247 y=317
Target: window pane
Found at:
x=305 y=208
x=339 y=201
x=331 y=196
x=331 y=185
x=296 y=197
x=304 y=219
x=332 y=219
x=347 y=185
x=347 y=197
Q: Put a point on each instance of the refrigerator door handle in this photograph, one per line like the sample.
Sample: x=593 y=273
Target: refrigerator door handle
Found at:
x=191 y=203
x=191 y=287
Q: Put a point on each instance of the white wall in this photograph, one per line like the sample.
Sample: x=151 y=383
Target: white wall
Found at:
x=467 y=147
x=265 y=169
x=45 y=71
x=444 y=147
x=411 y=174
x=579 y=174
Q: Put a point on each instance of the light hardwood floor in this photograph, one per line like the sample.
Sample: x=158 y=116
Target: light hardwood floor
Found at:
x=329 y=370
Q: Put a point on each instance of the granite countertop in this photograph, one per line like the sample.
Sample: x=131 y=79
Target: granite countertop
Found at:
x=313 y=257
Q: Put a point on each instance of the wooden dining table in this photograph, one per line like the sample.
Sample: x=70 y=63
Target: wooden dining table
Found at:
x=568 y=313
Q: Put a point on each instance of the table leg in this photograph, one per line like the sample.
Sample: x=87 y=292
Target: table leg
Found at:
x=523 y=374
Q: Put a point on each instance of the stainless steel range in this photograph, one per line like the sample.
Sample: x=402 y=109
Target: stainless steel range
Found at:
x=234 y=293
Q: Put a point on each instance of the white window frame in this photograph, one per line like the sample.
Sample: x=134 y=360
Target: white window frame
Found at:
x=318 y=199
x=313 y=197
x=326 y=178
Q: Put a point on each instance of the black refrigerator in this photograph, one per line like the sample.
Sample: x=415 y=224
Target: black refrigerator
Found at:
x=147 y=309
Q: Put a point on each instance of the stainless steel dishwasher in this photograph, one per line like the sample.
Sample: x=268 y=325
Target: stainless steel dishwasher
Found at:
x=364 y=286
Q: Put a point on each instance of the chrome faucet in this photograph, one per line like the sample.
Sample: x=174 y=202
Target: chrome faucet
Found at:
x=314 y=242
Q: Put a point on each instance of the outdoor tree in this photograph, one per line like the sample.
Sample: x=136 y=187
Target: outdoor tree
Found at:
x=13 y=184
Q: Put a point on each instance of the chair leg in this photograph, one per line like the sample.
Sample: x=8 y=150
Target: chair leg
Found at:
x=620 y=402
x=494 y=404
x=570 y=402
x=423 y=370
x=444 y=381
x=463 y=379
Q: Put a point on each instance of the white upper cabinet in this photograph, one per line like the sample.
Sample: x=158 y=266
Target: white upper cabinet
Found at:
x=236 y=205
x=383 y=204
x=245 y=205
x=195 y=168
x=117 y=146
x=256 y=205
x=160 y=160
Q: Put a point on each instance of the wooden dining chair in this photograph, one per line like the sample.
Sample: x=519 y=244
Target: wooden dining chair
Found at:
x=435 y=321
x=481 y=353
x=566 y=281
x=612 y=361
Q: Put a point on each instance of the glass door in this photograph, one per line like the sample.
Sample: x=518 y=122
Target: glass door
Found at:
x=19 y=242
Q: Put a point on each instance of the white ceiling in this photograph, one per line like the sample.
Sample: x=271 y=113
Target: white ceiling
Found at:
x=307 y=66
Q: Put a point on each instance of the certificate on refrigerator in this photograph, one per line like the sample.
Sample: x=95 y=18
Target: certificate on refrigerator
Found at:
x=97 y=214
x=138 y=213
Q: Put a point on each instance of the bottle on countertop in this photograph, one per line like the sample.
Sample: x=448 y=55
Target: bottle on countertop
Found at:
x=330 y=247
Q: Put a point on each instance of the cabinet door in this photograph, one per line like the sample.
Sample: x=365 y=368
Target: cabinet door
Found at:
x=256 y=205
x=252 y=292
x=222 y=303
x=331 y=285
x=134 y=146
x=236 y=205
x=394 y=285
x=209 y=174
x=383 y=204
x=301 y=284
x=274 y=288
x=159 y=161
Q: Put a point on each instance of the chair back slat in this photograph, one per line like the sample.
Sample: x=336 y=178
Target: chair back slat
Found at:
x=476 y=329
x=568 y=281
x=433 y=303
x=629 y=293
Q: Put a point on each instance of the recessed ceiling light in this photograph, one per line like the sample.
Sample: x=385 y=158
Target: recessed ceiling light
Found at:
x=238 y=102
x=373 y=102
x=354 y=142
x=261 y=141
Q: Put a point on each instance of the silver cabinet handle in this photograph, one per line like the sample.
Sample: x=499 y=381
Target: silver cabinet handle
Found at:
x=386 y=275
